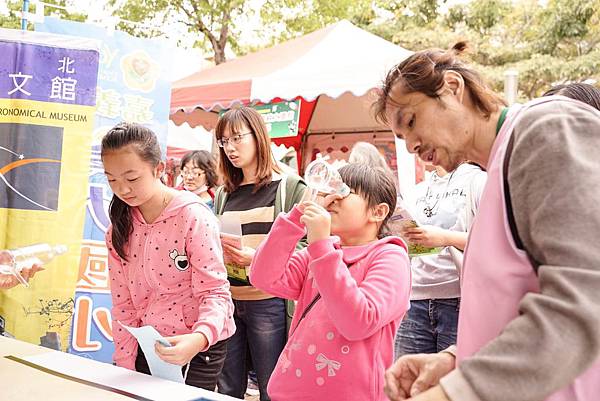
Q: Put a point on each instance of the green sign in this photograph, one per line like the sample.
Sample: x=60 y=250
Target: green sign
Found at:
x=281 y=118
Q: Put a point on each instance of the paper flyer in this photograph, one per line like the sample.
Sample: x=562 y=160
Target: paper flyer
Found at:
x=403 y=219
x=147 y=336
x=231 y=234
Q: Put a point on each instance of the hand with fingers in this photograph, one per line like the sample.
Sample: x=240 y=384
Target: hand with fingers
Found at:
x=317 y=221
x=8 y=280
x=412 y=375
x=321 y=199
x=428 y=236
x=183 y=348
x=241 y=257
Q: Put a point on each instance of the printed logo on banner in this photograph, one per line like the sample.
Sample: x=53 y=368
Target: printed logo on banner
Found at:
x=30 y=164
x=93 y=279
x=87 y=316
x=93 y=268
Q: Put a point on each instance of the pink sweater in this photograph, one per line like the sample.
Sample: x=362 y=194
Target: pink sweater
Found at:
x=175 y=279
x=344 y=344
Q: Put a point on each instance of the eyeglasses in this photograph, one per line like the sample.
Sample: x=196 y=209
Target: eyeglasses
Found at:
x=192 y=173
x=235 y=140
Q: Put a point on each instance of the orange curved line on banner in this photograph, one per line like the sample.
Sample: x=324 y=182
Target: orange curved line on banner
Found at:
x=18 y=163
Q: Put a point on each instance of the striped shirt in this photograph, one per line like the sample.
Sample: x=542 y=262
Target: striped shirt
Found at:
x=255 y=212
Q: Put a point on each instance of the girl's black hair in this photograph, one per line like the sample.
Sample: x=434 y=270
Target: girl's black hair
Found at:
x=585 y=93
x=375 y=185
x=145 y=143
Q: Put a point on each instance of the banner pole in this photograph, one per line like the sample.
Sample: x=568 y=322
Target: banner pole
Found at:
x=25 y=11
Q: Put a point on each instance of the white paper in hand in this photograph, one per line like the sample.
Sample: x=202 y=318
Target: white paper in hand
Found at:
x=402 y=218
x=147 y=336
x=230 y=224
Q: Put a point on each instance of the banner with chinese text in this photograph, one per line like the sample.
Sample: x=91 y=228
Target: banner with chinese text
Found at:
x=281 y=117
x=47 y=102
x=132 y=86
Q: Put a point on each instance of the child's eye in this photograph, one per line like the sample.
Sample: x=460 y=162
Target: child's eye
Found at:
x=411 y=123
x=132 y=179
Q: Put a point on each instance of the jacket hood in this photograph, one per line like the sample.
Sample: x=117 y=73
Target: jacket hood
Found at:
x=181 y=200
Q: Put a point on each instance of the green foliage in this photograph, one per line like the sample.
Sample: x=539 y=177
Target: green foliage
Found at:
x=13 y=19
x=547 y=44
x=211 y=22
x=483 y=15
x=412 y=12
x=299 y=17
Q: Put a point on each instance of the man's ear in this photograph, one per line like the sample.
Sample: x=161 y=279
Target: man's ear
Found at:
x=454 y=84
x=380 y=212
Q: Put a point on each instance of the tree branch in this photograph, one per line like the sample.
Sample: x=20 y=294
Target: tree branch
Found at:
x=196 y=17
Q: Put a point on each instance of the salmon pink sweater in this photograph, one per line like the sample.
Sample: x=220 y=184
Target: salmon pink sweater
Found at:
x=174 y=278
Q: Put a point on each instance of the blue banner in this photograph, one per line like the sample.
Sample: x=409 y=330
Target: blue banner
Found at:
x=132 y=86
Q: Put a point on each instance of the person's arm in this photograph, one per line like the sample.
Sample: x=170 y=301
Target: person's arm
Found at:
x=432 y=236
x=210 y=287
x=297 y=198
x=554 y=182
x=122 y=310
x=277 y=268
x=360 y=310
x=9 y=280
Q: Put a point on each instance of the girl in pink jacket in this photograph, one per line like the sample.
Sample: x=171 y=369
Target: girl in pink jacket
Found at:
x=165 y=262
x=352 y=291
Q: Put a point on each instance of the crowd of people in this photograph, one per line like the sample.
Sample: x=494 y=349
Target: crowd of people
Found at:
x=506 y=308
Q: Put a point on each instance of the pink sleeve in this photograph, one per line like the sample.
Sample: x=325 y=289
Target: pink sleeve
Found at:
x=277 y=268
x=122 y=310
x=360 y=310
x=209 y=277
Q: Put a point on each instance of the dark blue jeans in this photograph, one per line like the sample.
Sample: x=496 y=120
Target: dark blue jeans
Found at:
x=260 y=330
x=429 y=326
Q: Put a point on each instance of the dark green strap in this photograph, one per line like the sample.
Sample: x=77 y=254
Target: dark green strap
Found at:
x=219 y=200
x=503 y=114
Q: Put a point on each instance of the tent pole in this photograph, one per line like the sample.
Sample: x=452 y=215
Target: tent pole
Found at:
x=24 y=12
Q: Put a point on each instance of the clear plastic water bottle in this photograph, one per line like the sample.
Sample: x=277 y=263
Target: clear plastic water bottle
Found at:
x=322 y=177
x=25 y=257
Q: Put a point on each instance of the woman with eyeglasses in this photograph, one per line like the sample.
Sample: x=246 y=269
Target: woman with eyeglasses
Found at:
x=254 y=192
x=199 y=175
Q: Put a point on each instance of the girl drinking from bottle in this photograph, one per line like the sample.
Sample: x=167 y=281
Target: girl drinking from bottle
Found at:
x=352 y=284
x=165 y=262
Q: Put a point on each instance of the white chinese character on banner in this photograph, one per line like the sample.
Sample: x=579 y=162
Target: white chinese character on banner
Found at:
x=108 y=103
x=137 y=109
x=93 y=267
x=65 y=65
x=63 y=88
x=19 y=85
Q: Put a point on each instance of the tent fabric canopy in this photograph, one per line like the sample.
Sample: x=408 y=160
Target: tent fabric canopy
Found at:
x=183 y=139
x=336 y=60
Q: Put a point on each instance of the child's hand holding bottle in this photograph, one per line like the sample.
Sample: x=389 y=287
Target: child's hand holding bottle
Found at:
x=317 y=221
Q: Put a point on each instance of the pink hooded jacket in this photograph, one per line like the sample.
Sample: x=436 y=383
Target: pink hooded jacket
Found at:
x=344 y=344
x=175 y=279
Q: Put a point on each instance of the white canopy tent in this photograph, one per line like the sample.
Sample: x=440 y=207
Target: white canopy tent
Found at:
x=333 y=70
x=183 y=138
